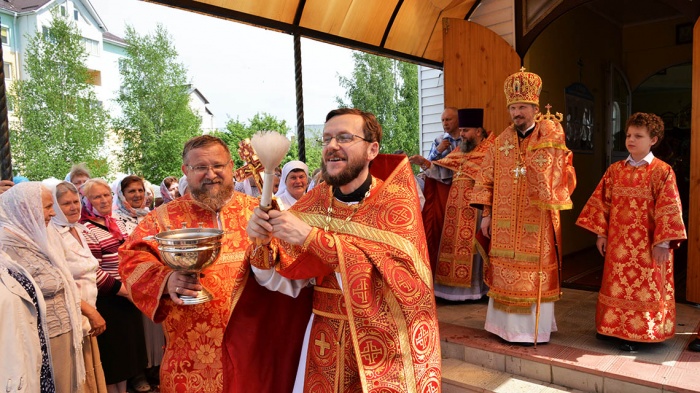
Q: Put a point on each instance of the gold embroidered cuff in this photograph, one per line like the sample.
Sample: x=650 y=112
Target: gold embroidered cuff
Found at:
x=263 y=256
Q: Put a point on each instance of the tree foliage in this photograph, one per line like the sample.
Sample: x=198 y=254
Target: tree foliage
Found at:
x=60 y=122
x=237 y=131
x=389 y=89
x=156 y=117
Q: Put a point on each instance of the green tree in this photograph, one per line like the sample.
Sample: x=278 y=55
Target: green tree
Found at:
x=389 y=89
x=156 y=117
x=60 y=122
x=314 y=150
x=237 y=131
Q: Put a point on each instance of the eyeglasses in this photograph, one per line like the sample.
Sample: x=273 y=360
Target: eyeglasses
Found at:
x=342 y=139
x=202 y=169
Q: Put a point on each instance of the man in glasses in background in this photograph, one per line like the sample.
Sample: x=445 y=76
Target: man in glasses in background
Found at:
x=358 y=236
x=195 y=351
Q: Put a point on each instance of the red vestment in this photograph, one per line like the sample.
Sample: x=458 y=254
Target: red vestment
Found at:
x=375 y=329
x=636 y=208
x=458 y=241
x=526 y=182
x=436 y=194
x=194 y=355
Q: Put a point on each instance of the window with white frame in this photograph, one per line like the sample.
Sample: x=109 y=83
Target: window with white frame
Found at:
x=8 y=70
x=76 y=14
x=91 y=46
x=5 y=33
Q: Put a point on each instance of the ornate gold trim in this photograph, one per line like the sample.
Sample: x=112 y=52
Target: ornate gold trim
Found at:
x=377 y=235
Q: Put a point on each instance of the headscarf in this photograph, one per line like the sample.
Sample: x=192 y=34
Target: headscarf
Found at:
x=248 y=188
x=19 y=179
x=22 y=219
x=124 y=206
x=283 y=194
x=89 y=213
x=286 y=170
x=165 y=192
x=115 y=186
x=60 y=218
x=148 y=188
x=182 y=185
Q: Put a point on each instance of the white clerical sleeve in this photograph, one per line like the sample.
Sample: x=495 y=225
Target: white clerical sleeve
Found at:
x=273 y=281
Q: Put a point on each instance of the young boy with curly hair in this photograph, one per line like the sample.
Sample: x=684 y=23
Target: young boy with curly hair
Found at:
x=636 y=213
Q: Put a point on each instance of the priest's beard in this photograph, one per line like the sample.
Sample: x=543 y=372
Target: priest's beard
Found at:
x=467 y=145
x=350 y=173
x=216 y=200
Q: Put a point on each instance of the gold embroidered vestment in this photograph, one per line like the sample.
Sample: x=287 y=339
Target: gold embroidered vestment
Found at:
x=458 y=243
x=194 y=333
x=636 y=209
x=526 y=182
x=376 y=330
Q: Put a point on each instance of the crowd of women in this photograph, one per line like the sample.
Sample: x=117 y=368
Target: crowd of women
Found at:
x=73 y=327
x=58 y=272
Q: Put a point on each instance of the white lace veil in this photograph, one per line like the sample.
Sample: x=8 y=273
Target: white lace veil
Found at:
x=21 y=212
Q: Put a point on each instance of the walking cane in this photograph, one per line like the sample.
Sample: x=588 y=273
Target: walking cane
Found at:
x=539 y=301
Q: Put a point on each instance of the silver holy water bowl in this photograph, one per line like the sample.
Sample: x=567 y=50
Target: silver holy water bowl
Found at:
x=190 y=250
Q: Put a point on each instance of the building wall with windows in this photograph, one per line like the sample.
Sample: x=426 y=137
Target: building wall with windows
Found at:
x=20 y=19
x=104 y=49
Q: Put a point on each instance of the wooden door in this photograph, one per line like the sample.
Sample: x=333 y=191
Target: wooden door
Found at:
x=693 y=224
x=477 y=62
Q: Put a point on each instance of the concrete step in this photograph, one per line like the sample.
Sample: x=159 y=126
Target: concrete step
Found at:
x=462 y=377
x=553 y=366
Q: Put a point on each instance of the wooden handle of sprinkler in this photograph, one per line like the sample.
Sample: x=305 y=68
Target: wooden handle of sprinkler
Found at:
x=266 y=196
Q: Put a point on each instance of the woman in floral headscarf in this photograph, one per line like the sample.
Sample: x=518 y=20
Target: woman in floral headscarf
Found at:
x=130 y=210
x=122 y=345
x=130 y=207
x=25 y=212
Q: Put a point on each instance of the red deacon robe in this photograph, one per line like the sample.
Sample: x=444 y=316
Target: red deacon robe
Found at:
x=375 y=326
x=636 y=209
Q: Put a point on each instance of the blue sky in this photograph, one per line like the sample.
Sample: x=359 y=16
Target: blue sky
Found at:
x=240 y=69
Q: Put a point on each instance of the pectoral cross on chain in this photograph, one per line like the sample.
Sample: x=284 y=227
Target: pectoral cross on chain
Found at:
x=519 y=171
x=252 y=167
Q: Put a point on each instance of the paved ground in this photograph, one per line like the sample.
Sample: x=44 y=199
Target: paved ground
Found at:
x=666 y=365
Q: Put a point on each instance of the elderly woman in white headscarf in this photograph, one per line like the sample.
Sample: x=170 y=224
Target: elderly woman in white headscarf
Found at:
x=293 y=184
x=25 y=212
x=83 y=267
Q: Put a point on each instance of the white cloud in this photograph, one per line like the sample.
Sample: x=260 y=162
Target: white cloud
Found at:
x=240 y=69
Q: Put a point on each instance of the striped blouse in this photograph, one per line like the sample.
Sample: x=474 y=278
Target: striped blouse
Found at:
x=104 y=248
